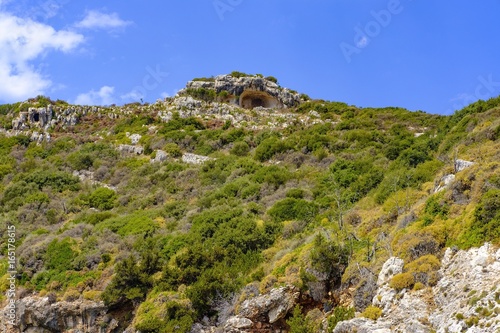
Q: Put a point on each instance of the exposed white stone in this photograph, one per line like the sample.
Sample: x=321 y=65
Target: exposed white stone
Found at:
x=137 y=150
x=195 y=159
x=444 y=183
x=134 y=138
x=161 y=156
x=390 y=268
x=238 y=322
x=462 y=165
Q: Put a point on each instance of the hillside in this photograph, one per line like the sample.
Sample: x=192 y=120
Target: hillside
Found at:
x=239 y=205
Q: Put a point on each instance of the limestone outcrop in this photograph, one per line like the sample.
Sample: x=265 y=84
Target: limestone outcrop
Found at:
x=465 y=299
x=248 y=92
x=40 y=315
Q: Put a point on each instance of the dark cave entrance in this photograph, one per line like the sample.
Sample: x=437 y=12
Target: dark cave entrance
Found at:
x=252 y=99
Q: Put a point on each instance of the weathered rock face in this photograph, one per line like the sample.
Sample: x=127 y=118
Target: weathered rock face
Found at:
x=195 y=159
x=447 y=180
x=270 y=307
x=46 y=117
x=38 y=315
x=466 y=298
x=130 y=149
x=161 y=156
x=249 y=92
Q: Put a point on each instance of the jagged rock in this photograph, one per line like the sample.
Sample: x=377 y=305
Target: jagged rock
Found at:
x=361 y=325
x=469 y=284
x=444 y=183
x=50 y=116
x=38 y=315
x=129 y=149
x=134 y=138
x=467 y=275
x=462 y=165
x=238 y=323
x=390 y=268
x=161 y=156
x=40 y=137
x=194 y=159
x=270 y=307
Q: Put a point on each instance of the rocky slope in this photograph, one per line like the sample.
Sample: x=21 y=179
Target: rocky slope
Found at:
x=242 y=206
x=465 y=299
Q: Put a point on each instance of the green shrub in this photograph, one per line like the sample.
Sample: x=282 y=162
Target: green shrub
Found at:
x=173 y=150
x=270 y=147
x=128 y=284
x=372 y=312
x=164 y=314
x=402 y=281
x=57 y=180
x=485 y=225
x=60 y=255
x=272 y=79
x=133 y=224
x=296 y=193
x=80 y=161
x=292 y=209
x=329 y=258
x=240 y=148
x=237 y=74
x=339 y=314
x=207 y=95
x=102 y=198
x=298 y=322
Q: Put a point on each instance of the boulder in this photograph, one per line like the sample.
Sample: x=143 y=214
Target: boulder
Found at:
x=271 y=306
x=194 y=159
x=129 y=149
x=390 y=268
x=35 y=314
x=462 y=165
x=161 y=156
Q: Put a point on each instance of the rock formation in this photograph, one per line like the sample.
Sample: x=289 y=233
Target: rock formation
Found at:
x=247 y=92
x=40 y=315
x=465 y=299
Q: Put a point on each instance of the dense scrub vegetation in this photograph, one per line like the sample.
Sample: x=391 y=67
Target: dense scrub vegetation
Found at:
x=180 y=241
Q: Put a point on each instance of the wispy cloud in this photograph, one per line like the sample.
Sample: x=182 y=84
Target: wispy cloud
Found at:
x=103 y=96
x=22 y=41
x=99 y=20
x=362 y=42
x=133 y=95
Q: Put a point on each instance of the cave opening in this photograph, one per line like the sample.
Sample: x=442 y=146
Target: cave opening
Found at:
x=253 y=99
x=36 y=117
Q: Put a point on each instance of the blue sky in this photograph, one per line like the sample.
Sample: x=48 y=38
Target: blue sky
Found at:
x=435 y=56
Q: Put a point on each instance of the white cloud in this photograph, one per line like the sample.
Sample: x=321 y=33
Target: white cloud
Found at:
x=133 y=95
x=363 y=42
x=21 y=42
x=102 y=97
x=97 y=20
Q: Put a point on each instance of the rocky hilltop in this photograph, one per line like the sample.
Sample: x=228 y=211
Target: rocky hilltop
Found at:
x=247 y=92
